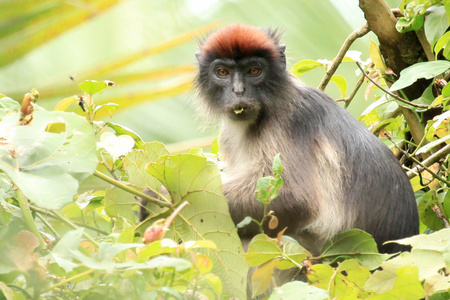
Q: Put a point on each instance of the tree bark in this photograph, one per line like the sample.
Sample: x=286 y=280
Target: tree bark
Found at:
x=399 y=51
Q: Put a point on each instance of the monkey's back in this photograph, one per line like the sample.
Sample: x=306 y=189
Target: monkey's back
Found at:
x=337 y=174
x=369 y=188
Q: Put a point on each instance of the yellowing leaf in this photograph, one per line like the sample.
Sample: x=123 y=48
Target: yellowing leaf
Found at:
x=304 y=66
x=65 y=103
x=375 y=55
x=341 y=84
x=262 y=278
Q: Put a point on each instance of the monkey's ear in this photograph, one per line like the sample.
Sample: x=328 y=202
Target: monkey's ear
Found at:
x=198 y=55
x=281 y=50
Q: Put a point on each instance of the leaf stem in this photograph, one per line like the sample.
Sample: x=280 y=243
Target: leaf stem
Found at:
x=28 y=218
x=131 y=190
x=292 y=261
x=68 y=222
x=40 y=212
x=49 y=226
x=71 y=279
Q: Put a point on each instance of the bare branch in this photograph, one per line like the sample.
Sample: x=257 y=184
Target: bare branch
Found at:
x=440 y=215
x=429 y=161
x=338 y=59
x=389 y=92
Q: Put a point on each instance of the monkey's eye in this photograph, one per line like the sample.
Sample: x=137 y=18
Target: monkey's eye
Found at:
x=255 y=71
x=222 y=72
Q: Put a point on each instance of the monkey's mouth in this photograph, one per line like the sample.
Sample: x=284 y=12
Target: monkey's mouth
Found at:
x=238 y=111
x=243 y=112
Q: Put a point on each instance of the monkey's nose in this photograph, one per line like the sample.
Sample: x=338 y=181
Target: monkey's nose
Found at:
x=239 y=90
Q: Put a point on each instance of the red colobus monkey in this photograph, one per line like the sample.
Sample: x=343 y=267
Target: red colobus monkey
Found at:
x=337 y=174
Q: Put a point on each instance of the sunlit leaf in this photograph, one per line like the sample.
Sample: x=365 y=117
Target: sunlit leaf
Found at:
x=376 y=56
x=298 y=290
x=357 y=242
x=93 y=87
x=341 y=83
x=402 y=283
x=65 y=103
x=46 y=166
x=436 y=24
x=304 y=66
x=427 y=70
x=261 y=278
x=194 y=179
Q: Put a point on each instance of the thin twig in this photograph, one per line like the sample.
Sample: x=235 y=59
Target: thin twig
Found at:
x=341 y=54
x=49 y=226
x=73 y=226
x=39 y=212
x=440 y=178
x=429 y=161
x=389 y=92
x=349 y=99
x=131 y=190
x=440 y=215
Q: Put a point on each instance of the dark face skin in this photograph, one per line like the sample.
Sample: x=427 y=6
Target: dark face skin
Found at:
x=237 y=86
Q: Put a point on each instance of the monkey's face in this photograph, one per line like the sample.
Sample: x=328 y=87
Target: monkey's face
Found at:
x=235 y=88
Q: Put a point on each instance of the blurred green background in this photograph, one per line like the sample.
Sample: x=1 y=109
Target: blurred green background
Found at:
x=147 y=48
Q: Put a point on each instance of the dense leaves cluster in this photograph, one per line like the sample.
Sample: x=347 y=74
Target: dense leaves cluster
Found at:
x=68 y=230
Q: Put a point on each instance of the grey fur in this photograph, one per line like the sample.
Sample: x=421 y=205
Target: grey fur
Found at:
x=337 y=174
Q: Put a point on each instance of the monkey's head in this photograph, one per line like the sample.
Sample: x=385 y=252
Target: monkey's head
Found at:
x=240 y=69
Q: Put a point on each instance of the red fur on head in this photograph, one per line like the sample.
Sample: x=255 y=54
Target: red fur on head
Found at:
x=239 y=41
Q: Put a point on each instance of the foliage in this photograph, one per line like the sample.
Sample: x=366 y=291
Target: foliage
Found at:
x=350 y=266
x=52 y=247
x=58 y=241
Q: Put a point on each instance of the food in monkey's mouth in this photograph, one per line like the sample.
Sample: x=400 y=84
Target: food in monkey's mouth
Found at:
x=238 y=111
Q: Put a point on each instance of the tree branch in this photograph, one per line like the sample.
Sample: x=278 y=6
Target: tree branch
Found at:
x=429 y=161
x=440 y=215
x=338 y=59
x=399 y=51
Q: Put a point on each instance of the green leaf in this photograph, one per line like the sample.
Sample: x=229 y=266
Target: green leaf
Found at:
x=304 y=66
x=376 y=56
x=93 y=87
x=268 y=188
x=298 y=290
x=436 y=24
x=341 y=83
x=136 y=164
x=277 y=168
x=109 y=106
x=376 y=104
x=427 y=70
x=346 y=281
x=357 y=243
x=62 y=252
x=432 y=144
x=215 y=283
x=426 y=214
x=119 y=203
x=441 y=43
x=262 y=278
x=436 y=241
x=193 y=178
x=48 y=167
x=178 y=264
x=120 y=130
x=247 y=220
x=413 y=18
x=295 y=252
x=8 y=106
x=261 y=251
x=402 y=284
x=116 y=146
